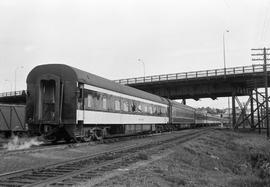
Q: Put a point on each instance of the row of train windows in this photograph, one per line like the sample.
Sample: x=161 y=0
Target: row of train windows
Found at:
x=181 y=112
x=106 y=102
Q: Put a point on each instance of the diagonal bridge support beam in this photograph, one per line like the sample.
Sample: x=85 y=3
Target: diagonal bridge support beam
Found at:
x=253 y=113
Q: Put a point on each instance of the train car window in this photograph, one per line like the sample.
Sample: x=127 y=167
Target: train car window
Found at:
x=154 y=110
x=145 y=108
x=139 y=108
x=110 y=105
x=163 y=111
x=125 y=106
x=117 y=104
x=104 y=103
x=166 y=111
x=97 y=100
x=133 y=107
x=159 y=110
x=150 y=110
x=90 y=101
x=142 y=107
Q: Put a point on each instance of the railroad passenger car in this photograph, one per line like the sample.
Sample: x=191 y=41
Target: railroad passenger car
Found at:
x=204 y=119
x=181 y=116
x=68 y=102
x=200 y=117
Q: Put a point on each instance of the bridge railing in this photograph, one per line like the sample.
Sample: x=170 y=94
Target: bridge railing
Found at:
x=197 y=74
x=14 y=93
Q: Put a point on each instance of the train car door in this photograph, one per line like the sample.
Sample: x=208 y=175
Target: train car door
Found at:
x=48 y=108
x=80 y=103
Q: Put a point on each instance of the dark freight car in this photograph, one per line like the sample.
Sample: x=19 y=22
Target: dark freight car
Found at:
x=12 y=119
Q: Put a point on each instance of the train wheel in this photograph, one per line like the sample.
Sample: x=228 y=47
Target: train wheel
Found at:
x=87 y=136
x=98 y=134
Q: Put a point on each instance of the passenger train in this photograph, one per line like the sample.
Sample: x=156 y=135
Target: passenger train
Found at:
x=64 y=102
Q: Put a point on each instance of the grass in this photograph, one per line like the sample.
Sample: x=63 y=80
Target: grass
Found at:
x=249 y=181
x=226 y=159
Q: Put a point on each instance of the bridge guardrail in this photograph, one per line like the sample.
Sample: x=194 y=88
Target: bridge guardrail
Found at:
x=14 y=93
x=197 y=74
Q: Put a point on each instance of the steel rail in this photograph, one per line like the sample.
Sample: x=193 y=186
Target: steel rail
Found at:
x=31 y=176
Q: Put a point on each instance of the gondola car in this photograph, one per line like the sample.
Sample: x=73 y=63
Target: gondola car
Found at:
x=64 y=102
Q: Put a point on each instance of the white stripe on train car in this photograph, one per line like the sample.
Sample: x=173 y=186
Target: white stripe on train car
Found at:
x=97 y=117
x=94 y=88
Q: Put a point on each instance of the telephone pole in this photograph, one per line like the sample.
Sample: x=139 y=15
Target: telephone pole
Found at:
x=263 y=53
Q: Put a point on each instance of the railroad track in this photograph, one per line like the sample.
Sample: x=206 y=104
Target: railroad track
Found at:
x=73 y=172
x=44 y=147
x=63 y=145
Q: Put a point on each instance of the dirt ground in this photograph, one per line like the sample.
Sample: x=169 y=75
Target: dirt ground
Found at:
x=219 y=158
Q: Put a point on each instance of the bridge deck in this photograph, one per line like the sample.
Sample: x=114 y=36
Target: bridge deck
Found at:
x=202 y=84
x=216 y=73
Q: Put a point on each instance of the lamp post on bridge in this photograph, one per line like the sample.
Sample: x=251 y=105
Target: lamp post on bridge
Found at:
x=224 y=51
x=140 y=60
x=224 y=62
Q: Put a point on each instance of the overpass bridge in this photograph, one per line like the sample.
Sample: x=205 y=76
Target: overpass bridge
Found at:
x=225 y=82
x=215 y=83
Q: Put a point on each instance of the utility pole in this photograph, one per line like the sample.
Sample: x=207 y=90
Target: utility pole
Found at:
x=264 y=59
x=224 y=61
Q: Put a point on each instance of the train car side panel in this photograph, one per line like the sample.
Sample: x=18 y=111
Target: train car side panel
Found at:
x=12 y=118
x=182 y=114
x=109 y=107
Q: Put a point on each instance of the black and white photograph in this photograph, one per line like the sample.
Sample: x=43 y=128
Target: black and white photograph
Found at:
x=134 y=93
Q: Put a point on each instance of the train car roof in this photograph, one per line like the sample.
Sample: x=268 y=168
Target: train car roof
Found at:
x=69 y=73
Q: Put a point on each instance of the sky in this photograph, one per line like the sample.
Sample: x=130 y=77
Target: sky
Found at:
x=107 y=37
